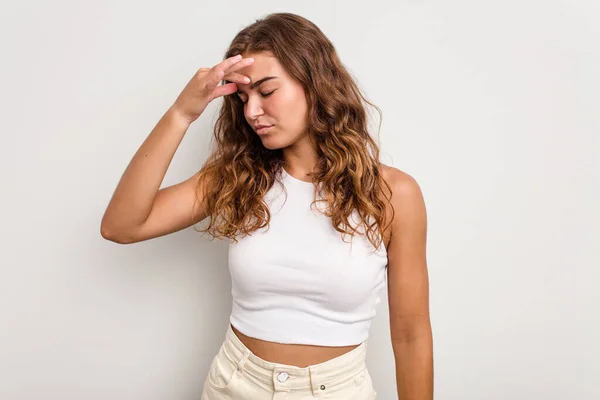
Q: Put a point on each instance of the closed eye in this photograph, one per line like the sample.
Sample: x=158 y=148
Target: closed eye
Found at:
x=262 y=94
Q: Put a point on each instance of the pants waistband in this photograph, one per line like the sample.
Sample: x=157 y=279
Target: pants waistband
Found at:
x=285 y=377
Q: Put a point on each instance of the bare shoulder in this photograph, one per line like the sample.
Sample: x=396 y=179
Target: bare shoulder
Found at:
x=406 y=199
x=402 y=184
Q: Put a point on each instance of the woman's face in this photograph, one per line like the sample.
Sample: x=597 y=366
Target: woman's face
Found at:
x=273 y=98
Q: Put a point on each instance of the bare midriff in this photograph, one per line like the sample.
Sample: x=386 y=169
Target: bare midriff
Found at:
x=299 y=355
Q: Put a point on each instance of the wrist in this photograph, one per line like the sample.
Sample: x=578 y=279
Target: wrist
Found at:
x=177 y=116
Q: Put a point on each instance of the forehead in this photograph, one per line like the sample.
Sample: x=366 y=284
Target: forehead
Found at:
x=264 y=64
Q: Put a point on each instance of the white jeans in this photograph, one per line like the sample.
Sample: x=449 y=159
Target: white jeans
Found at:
x=238 y=374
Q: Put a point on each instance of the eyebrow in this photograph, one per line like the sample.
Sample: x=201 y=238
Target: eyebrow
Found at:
x=257 y=83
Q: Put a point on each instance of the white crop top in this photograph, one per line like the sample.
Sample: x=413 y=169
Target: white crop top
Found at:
x=299 y=282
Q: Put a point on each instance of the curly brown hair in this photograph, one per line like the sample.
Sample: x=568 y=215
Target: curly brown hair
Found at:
x=241 y=170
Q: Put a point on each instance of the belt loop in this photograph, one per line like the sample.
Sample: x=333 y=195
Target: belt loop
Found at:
x=242 y=361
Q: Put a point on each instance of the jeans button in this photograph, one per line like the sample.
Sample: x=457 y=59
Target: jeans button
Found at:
x=282 y=377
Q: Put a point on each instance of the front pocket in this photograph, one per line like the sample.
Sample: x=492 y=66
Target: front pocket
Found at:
x=349 y=387
x=360 y=377
x=367 y=391
x=222 y=373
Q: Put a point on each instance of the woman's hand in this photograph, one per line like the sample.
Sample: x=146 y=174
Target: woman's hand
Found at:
x=204 y=86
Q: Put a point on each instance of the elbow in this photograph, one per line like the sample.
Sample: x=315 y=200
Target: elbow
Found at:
x=411 y=329
x=114 y=234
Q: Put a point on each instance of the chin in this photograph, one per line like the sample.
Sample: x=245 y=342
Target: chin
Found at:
x=272 y=142
x=271 y=145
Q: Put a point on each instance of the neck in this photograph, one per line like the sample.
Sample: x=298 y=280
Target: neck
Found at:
x=301 y=158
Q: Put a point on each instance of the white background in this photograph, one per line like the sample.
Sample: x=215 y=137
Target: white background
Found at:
x=492 y=106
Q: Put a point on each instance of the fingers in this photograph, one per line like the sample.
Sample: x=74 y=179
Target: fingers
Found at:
x=225 y=70
x=237 y=78
x=239 y=65
x=228 y=88
x=230 y=65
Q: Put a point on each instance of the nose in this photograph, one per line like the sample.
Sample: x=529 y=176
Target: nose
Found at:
x=252 y=109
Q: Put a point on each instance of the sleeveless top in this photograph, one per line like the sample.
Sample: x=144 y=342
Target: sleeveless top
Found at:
x=296 y=281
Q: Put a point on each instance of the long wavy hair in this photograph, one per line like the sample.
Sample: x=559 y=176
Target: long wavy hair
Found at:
x=241 y=170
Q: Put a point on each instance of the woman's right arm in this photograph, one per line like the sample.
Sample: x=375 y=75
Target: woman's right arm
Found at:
x=138 y=210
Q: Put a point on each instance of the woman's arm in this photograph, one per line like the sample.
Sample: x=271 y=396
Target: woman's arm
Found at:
x=408 y=290
x=138 y=210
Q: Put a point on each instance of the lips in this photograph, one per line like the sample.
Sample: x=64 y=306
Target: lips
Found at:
x=263 y=128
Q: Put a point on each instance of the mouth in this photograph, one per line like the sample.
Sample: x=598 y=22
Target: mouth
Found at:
x=263 y=129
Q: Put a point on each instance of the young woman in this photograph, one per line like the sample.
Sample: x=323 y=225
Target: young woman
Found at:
x=293 y=176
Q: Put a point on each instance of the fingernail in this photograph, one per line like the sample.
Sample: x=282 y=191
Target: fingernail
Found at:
x=246 y=80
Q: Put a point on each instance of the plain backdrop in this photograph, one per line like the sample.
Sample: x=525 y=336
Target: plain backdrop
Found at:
x=493 y=107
